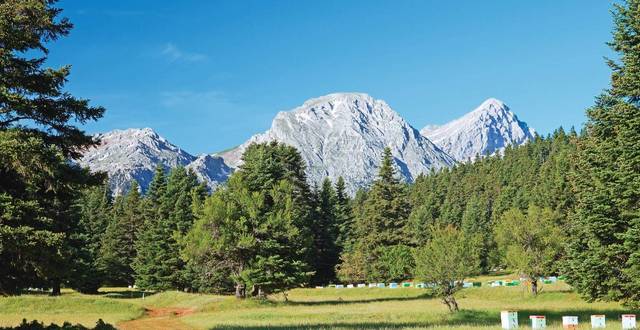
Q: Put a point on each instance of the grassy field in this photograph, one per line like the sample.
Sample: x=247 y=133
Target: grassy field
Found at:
x=310 y=308
x=71 y=306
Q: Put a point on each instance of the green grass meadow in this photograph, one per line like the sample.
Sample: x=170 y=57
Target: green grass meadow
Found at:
x=328 y=308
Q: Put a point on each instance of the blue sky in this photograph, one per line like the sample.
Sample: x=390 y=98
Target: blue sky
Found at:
x=209 y=74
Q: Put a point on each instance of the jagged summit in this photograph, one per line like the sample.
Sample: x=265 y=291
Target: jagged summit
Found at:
x=486 y=130
x=344 y=134
x=133 y=154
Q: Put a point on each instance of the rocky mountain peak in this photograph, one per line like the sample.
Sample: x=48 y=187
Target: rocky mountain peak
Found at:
x=486 y=130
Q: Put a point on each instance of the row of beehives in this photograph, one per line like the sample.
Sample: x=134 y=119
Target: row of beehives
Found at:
x=378 y=285
x=546 y=280
x=509 y=320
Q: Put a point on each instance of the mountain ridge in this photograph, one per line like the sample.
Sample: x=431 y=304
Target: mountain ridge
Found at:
x=338 y=134
x=134 y=154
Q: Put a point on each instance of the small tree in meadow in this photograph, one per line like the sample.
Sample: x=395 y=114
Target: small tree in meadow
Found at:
x=530 y=243
x=352 y=267
x=446 y=260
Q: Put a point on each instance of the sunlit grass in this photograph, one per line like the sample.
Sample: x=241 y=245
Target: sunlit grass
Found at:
x=72 y=307
x=328 y=308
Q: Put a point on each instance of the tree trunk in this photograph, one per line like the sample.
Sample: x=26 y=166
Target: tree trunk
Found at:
x=454 y=304
x=55 y=288
x=534 y=287
x=451 y=303
x=239 y=291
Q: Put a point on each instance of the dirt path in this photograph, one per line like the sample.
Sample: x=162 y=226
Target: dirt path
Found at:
x=158 y=319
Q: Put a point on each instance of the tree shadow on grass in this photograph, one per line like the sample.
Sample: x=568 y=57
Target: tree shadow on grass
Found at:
x=127 y=294
x=462 y=318
x=357 y=301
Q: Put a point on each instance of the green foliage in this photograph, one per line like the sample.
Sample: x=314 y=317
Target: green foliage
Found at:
x=41 y=239
x=39 y=227
x=381 y=219
x=531 y=242
x=118 y=243
x=168 y=217
x=352 y=267
x=325 y=231
x=604 y=257
x=344 y=216
x=446 y=260
x=31 y=93
x=256 y=230
x=94 y=207
x=35 y=325
x=394 y=263
x=473 y=196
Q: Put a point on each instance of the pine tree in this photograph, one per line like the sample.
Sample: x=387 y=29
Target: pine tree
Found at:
x=325 y=233
x=156 y=190
x=604 y=257
x=95 y=210
x=386 y=209
x=383 y=220
x=152 y=238
x=256 y=229
x=118 y=244
x=158 y=264
x=40 y=230
x=344 y=217
x=476 y=220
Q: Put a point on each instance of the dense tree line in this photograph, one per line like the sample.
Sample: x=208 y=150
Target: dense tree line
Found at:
x=392 y=218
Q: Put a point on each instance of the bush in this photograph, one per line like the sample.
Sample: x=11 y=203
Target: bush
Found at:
x=35 y=325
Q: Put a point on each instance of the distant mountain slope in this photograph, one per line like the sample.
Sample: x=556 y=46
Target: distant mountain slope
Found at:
x=211 y=170
x=484 y=131
x=133 y=154
x=344 y=134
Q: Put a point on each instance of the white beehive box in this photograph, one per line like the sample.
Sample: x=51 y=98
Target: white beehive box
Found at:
x=570 y=322
x=628 y=321
x=509 y=319
x=538 y=321
x=362 y=285
x=598 y=321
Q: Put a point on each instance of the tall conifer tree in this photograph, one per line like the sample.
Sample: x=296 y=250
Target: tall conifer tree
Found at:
x=604 y=254
x=118 y=244
x=382 y=223
x=325 y=233
x=40 y=231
